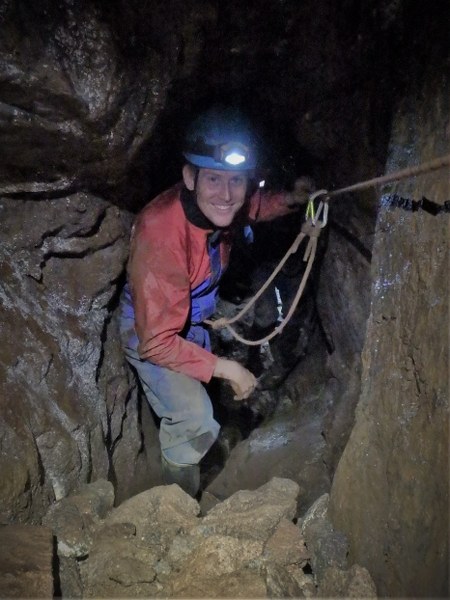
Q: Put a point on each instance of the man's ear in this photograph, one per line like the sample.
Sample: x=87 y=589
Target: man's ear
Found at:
x=189 y=177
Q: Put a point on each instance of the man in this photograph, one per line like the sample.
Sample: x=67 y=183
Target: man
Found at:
x=180 y=247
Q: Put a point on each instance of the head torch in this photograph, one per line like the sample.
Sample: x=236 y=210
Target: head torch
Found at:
x=232 y=153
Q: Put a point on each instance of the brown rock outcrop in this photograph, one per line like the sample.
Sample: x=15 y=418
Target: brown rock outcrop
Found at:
x=64 y=406
x=390 y=493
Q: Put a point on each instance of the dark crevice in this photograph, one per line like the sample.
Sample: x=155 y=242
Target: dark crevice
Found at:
x=80 y=234
x=41 y=469
x=93 y=229
x=111 y=305
x=47 y=369
x=354 y=241
x=57 y=590
x=41 y=195
x=77 y=254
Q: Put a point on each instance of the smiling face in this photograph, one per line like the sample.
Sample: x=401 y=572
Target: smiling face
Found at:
x=219 y=194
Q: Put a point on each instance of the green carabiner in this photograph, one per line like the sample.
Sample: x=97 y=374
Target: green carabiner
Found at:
x=310 y=210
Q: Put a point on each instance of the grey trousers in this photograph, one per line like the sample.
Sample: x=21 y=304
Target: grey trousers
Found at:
x=187 y=427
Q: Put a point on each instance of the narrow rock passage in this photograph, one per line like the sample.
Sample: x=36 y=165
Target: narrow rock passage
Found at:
x=277 y=432
x=94 y=101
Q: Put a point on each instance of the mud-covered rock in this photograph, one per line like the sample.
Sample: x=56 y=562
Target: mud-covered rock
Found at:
x=355 y=582
x=255 y=514
x=158 y=514
x=326 y=546
x=287 y=546
x=284 y=446
x=390 y=492
x=74 y=519
x=26 y=562
x=154 y=544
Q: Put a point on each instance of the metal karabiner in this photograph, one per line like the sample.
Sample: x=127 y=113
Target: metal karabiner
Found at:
x=323 y=206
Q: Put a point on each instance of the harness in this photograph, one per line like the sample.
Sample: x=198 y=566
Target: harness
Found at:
x=204 y=296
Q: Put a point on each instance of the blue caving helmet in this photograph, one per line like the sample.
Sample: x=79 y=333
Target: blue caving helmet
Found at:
x=220 y=139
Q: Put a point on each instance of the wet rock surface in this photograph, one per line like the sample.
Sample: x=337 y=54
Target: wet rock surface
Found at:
x=82 y=77
x=94 y=100
x=65 y=408
x=280 y=447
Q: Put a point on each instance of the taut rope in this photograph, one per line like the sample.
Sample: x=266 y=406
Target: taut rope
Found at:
x=312 y=228
x=432 y=165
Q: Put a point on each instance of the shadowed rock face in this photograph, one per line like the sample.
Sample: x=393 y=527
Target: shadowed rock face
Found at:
x=82 y=87
x=93 y=100
x=26 y=557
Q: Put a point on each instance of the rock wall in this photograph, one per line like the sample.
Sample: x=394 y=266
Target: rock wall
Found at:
x=162 y=544
x=390 y=492
x=82 y=88
x=83 y=85
x=92 y=104
x=66 y=399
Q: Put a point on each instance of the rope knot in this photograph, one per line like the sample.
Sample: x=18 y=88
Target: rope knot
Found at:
x=217 y=323
x=309 y=229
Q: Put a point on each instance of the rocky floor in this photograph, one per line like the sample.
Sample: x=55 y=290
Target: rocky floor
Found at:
x=159 y=544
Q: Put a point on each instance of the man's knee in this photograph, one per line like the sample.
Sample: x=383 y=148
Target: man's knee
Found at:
x=189 y=450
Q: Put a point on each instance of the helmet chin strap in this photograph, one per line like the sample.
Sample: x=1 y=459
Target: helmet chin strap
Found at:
x=196 y=174
x=252 y=186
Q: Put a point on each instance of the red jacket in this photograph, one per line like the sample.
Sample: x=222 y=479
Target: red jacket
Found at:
x=168 y=259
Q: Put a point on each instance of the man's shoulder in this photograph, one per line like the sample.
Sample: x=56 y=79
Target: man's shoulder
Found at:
x=163 y=212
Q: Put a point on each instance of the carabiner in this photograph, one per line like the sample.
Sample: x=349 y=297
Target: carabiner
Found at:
x=323 y=205
x=310 y=210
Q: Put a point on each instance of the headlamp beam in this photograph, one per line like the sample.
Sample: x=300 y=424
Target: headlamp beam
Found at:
x=232 y=153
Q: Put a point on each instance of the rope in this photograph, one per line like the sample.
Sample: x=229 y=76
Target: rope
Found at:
x=432 y=165
x=309 y=228
x=312 y=228
x=309 y=256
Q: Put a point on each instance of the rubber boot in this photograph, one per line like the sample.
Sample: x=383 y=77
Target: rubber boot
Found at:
x=186 y=476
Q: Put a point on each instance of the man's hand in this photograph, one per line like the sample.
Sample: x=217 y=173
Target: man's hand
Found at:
x=241 y=379
x=303 y=187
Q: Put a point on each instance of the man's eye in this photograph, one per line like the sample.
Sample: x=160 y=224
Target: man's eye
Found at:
x=212 y=179
x=238 y=181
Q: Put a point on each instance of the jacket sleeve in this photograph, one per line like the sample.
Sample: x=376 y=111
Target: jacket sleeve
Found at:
x=160 y=288
x=265 y=206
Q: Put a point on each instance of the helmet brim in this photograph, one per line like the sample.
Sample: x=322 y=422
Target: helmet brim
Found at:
x=208 y=162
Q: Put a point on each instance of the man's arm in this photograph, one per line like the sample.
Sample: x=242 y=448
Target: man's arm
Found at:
x=266 y=206
x=303 y=188
x=160 y=288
